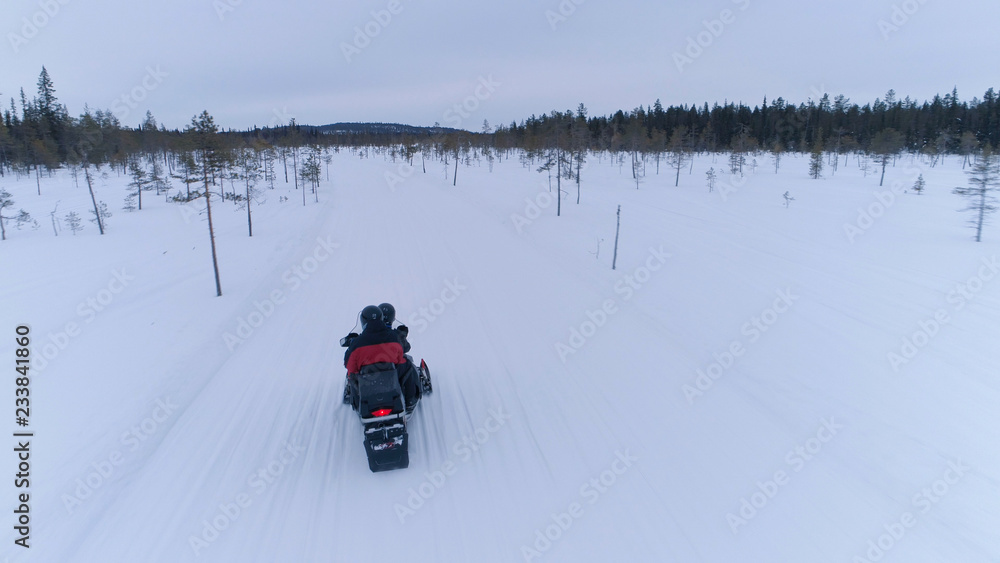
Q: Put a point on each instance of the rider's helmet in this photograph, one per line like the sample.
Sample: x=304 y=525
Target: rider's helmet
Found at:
x=388 y=313
x=370 y=314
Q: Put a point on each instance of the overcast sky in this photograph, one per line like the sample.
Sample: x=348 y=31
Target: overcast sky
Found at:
x=257 y=62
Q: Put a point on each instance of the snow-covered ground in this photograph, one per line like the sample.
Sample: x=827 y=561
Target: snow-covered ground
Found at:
x=729 y=393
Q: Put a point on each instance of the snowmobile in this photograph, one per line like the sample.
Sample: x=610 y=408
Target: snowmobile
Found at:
x=378 y=397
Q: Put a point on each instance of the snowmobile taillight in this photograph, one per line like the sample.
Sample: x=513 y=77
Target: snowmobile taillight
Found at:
x=381 y=412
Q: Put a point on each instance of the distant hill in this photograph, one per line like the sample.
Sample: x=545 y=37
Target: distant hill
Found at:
x=380 y=129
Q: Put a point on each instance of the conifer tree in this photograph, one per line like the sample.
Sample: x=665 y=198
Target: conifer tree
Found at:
x=139 y=181
x=101 y=214
x=74 y=222
x=984 y=178
x=885 y=146
x=204 y=133
x=7 y=201
x=776 y=152
x=678 y=152
x=816 y=159
x=248 y=169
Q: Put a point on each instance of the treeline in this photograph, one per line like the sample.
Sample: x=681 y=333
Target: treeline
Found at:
x=39 y=133
x=944 y=125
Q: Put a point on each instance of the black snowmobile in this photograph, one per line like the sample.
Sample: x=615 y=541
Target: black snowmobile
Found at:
x=378 y=397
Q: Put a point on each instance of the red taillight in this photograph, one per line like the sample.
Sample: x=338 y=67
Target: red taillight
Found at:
x=382 y=412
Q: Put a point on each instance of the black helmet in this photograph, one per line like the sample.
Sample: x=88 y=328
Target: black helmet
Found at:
x=388 y=313
x=370 y=314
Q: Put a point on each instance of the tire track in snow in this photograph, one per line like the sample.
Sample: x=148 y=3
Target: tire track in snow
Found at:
x=199 y=369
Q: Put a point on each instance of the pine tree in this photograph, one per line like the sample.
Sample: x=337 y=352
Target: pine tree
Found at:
x=885 y=146
x=736 y=162
x=74 y=222
x=269 y=158
x=985 y=179
x=96 y=211
x=919 y=185
x=6 y=201
x=776 y=152
x=967 y=145
x=741 y=145
x=678 y=152
x=101 y=216
x=205 y=132
x=189 y=174
x=157 y=179
x=47 y=102
x=816 y=159
x=139 y=181
x=580 y=141
x=328 y=158
x=248 y=169
x=48 y=108
x=312 y=171
x=638 y=170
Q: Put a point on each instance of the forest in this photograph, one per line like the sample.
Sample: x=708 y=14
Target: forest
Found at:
x=39 y=134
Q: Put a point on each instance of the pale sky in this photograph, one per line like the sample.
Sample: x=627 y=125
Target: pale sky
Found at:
x=257 y=62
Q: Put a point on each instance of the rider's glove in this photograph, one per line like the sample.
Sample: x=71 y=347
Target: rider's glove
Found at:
x=346 y=341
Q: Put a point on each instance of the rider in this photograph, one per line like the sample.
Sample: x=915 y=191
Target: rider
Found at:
x=389 y=316
x=376 y=344
x=408 y=376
